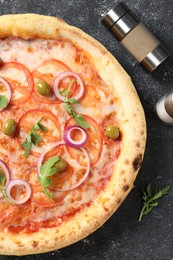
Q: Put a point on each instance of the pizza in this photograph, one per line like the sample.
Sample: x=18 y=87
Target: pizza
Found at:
x=72 y=135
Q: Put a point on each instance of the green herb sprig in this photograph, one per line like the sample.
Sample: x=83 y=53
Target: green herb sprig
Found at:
x=2 y=185
x=3 y=101
x=150 y=200
x=33 y=137
x=46 y=171
x=67 y=105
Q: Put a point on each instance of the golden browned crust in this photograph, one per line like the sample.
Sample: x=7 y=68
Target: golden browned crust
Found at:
x=133 y=131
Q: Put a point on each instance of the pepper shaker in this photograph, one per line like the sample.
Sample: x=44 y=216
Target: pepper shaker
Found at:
x=135 y=37
x=164 y=108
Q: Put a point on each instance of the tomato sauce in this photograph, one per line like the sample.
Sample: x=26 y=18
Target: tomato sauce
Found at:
x=31 y=63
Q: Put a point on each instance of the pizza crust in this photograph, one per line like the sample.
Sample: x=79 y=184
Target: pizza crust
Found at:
x=133 y=131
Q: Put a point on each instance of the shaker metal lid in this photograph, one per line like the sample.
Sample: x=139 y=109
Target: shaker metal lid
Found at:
x=155 y=58
x=120 y=20
x=115 y=14
x=124 y=25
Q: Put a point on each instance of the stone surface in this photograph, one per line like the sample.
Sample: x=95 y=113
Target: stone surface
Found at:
x=122 y=237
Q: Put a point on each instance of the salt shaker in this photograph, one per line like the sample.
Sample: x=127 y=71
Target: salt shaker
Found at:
x=135 y=37
x=164 y=108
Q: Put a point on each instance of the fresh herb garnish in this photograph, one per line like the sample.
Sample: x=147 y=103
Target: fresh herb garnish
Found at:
x=69 y=109
x=33 y=137
x=65 y=91
x=81 y=121
x=77 y=117
x=27 y=146
x=71 y=100
x=46 y=171
x=3 y=101
x=2 y=184
x=150 y=200
x=1 y=87
x=38 y=126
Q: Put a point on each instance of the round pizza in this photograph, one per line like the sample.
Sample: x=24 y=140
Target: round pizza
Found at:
x=72 y=134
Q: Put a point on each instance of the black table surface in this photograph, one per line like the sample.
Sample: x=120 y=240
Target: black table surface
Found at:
x=122 y=237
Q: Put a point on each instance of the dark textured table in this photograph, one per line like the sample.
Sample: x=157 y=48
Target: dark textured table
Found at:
x=122 y=237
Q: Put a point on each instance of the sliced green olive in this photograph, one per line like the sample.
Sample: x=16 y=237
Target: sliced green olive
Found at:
x=61 y=165
x=43 y=88
x=112 y=132
x=9 y=127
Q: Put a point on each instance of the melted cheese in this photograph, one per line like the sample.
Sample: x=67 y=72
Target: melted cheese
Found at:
x=32 y=54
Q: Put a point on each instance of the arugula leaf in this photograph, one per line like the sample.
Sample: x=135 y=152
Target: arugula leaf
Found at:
x=33 y=137
x=71 y=100
x=46 y=171
x=77 y=117
x=3 y=101
x=2 y=178
x=81 y=121
x=2 y=184
x=66 y=91
x=69 y=110
x=150 y=200
x=27 y=146
x=38 y=126
x=42 y=127
x=35 y=127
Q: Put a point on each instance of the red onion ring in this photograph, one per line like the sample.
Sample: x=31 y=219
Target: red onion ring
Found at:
x=40 y=159
x=5 y=83
x=68 y=74
x=6 y=171
x=13 y=183
x=70 y=142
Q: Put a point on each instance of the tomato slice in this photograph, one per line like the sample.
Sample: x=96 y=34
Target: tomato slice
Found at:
x=22 y=83
x=61 y=182
x=47 y=72
x=94 y=143
x=50 y=121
